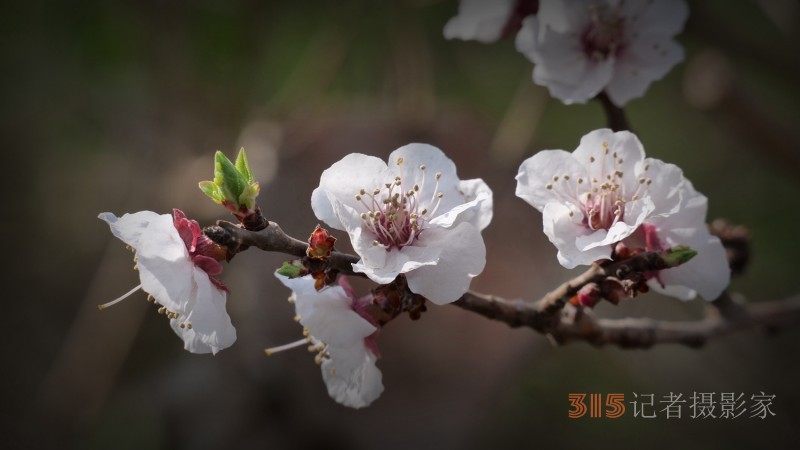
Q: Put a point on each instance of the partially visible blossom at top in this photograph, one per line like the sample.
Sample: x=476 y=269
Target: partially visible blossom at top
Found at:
x=606 y=192
x=583 y=47
x=343 y=334
x=177 y=266
x=488 y=21
x=412 y=216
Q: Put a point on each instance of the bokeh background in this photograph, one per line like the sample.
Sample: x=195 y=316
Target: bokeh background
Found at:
x=119 y=106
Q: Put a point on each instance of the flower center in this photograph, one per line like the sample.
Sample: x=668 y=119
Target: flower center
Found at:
x=394 y=212
x=602 y=196
x=604 y=35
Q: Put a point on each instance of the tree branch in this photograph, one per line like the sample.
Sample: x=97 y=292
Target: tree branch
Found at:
x=615 y=116
x=553 y=315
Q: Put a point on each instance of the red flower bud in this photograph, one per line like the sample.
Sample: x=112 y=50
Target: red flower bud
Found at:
x=320 y=244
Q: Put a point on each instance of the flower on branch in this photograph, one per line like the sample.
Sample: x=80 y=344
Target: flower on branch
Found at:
x=488 y=21
x=412 y=216
x=177 y=267
x=339 y=327
x=582 y=47
x=607 y=192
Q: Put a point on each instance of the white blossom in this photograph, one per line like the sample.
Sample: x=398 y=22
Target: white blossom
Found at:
x=178 y=276
x=606 y=192
x=342 y=334
x=583 y=47
x=412 y=216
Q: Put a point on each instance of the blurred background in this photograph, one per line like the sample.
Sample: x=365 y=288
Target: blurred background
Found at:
x=119 y=106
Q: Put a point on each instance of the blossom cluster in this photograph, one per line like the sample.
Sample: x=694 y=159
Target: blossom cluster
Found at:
x=416 y=227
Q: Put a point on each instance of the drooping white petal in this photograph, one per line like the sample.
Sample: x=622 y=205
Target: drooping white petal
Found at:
x=328 y=314
x=165 y=269
x=343 y=180
x=348 y=365
x=462 y=257
x=479 y=20
x=168 y=281
x=351 y=376
x=168 y=274
x=211 y=328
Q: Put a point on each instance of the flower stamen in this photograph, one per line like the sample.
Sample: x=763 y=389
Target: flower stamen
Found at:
x=281 y=348
x=117 y=300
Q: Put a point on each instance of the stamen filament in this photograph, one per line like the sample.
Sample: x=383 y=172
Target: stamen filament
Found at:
x=115 y=301
x=289 y=346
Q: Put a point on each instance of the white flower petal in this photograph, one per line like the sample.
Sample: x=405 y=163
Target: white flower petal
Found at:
x=328 y=314
x=170 y=282
x=624 y=144
x=479 y=20
x=646 y=60
x=211 y=329
x=343 y=180
x=150 y=234
x=536 y=173
x=593 y=80
x=165 y=269
x=600 y=238
x=405 y=260
x=563 y=15
x=563 y=231
x=435 y=161
x=351 y=376
x=558 y=57
x=708 y=273
x=462 y=258
x=477 y=210
x=476 y=190
x=658 y=17
x=665 y=190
